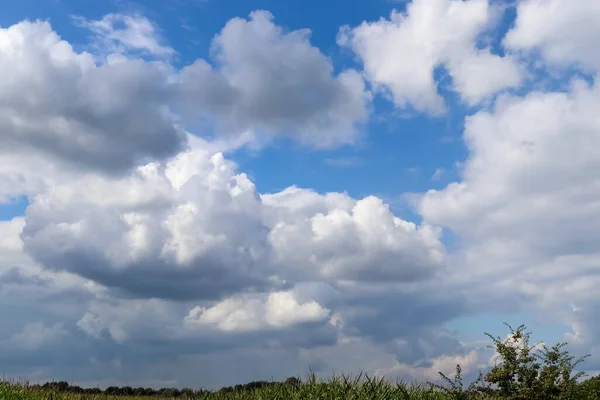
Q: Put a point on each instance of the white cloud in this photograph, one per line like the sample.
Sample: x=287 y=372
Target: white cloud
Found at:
x=563 y=31
x=278 y=310
x=362 y=241
x=61 y=106
x=124 y=34
x=480 y=74
x=401 y=54
x=532 y=160
x=196 y=227
x=277 y=83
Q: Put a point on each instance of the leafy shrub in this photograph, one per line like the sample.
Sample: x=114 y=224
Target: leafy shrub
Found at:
x=525 y=372
x=533 y=372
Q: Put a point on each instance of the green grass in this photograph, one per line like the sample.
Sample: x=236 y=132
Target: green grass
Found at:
x=313 y=389
x=337 y=388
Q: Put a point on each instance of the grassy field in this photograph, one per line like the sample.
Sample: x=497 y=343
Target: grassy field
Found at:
x=375 y=389
x=337 y=389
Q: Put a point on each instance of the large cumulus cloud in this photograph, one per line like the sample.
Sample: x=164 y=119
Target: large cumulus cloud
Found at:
x=144 y=245
x=195 y=228
x=61 y=104
x=276 y=82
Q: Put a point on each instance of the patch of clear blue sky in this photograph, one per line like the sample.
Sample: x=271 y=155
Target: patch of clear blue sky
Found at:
x=13 y=208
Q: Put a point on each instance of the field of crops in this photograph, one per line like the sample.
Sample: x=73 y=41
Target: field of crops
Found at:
x=374 y=389
x=338 y=389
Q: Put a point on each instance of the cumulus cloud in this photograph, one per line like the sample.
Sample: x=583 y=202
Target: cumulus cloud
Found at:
x=514 y=151
x=275 y=82
x=279 y=309
x=363 y=241
x=563 y=32
x=202 y=240
x=61 y=105
x=196 y=228
x=402 y=54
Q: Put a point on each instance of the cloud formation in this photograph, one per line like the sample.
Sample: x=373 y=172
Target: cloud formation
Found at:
x=279 y=309
x=277 y=83
x=61 y=105
x=401 y=54
x=562 y=32
x=195 y=228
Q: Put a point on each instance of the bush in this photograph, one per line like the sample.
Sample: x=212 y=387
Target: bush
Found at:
x=528 y=372
x=525 y=372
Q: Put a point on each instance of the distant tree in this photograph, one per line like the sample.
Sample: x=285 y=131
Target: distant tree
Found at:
x=112 y=391
x=226 y=389
x=187 y=393
x=168 y=392
x=293 y=381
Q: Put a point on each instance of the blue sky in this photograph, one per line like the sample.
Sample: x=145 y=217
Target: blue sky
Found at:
x=13 y=207
x=180 y=176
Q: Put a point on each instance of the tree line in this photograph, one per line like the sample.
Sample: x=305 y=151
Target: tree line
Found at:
x=65 y=387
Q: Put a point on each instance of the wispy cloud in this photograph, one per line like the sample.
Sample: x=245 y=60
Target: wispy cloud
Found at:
x=122 y=33
x=343 y=162
x=437 y=175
